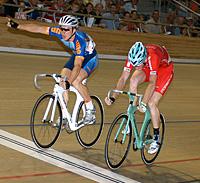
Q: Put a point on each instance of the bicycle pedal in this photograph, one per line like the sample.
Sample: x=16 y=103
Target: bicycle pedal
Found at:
x=90 y=122
x=81 y=122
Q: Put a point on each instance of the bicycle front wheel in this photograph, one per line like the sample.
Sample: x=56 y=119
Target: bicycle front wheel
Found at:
x=148 y=135
x=44 y=131
x=88 y=135
x=116 y=147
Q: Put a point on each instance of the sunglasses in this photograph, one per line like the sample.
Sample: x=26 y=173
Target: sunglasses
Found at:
x=63 y=29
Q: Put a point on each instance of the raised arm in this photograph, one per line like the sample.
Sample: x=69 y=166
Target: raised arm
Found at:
x=28 y=27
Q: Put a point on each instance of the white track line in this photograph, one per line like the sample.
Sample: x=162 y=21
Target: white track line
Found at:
x=64 y=54
x=61 y=160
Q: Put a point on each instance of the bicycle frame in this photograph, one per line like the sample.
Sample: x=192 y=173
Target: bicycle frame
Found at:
x=131 y=117
x=58 y=94
x=138 y=135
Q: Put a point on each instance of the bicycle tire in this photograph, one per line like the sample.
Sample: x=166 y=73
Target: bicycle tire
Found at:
x=150 y=158
x=88 y=135
x=45 y=134
x=116 y=154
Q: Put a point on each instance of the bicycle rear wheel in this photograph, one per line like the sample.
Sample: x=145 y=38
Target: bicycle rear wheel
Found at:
x=148 y=135
x=88 y=135
x=115 y=150
x=45 y=132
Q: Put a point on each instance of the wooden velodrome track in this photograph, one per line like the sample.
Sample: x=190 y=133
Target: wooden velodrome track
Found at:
x=179 y=160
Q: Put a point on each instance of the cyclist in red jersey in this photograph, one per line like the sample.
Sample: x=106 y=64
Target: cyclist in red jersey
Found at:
x=152 y=64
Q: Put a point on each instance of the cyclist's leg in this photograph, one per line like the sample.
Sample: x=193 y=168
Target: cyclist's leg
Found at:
x=65 y=72
x=83 y=90
x=165 y=76
x=153 y=106
x=88 y=68
x=164 y=79
x=155 y=118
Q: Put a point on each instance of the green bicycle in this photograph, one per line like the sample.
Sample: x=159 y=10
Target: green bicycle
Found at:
x=119 y=137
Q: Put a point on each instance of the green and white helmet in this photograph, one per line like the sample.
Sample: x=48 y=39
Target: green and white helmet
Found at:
x=137 y=54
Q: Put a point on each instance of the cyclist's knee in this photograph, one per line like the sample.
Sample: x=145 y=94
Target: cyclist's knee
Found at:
x=79 y=80
x=65 y=72
x=152 y=104
x=76 y=83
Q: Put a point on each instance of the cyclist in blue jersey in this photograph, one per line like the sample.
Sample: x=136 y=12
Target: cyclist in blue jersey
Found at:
x=82 y=62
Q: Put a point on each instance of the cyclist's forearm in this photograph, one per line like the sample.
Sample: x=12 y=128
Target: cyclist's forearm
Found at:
x=121 y=82
x=34 y=28
x=120 y=86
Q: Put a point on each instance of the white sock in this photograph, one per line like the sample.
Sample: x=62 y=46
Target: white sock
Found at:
x=89 y=105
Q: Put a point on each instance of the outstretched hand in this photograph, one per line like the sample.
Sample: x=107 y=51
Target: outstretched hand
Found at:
x=12 y=24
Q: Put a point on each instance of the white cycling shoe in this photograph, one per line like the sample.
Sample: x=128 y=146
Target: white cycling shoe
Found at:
x=154 y=147
x=90 y=117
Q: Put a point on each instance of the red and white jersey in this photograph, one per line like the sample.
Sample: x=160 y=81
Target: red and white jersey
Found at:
x=159 y=63
x=157 y=56
x=128 y=66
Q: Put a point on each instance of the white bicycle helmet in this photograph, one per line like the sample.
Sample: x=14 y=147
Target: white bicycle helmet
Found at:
x=137 y=54
x=69 y=21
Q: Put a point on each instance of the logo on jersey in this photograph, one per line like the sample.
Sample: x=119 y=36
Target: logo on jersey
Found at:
x=78 y=47
x=128 y=64
x=55 y=30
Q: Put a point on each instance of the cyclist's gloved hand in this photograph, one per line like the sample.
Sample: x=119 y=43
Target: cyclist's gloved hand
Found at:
x=12 y=24
x=109 y=101
x=142 y=107
x=67 y=84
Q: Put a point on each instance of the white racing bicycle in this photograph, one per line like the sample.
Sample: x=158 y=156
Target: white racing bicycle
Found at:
x=50 y=110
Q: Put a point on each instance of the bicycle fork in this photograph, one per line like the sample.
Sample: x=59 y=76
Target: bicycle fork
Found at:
x=122 y=131
x=48 y=109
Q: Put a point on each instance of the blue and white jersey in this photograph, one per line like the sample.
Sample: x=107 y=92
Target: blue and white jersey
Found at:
x=82 y=45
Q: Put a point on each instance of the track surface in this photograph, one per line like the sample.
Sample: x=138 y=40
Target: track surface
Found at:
x=179 y=160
